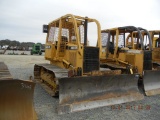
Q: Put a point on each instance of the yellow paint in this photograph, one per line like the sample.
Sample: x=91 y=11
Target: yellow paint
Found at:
x=69 y=50
x=125 y=56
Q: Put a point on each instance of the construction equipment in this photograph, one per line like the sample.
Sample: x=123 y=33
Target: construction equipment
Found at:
x=16 y=98
x=74 y=71
x=36 y=49
x=151 y=77
x=155 y=35
x=131 y=56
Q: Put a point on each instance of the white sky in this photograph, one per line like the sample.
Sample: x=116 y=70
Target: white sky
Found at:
x=22 y=20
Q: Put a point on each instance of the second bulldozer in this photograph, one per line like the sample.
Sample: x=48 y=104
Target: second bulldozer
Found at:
x=155 y=36
x=151 y=77
x=131 y=56
x=74 y=71
x=154 y=45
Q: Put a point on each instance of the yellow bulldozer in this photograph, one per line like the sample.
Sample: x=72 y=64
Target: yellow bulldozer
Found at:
x=130 y=56
x=74 y=71
x=16 y=98
x=155 y=38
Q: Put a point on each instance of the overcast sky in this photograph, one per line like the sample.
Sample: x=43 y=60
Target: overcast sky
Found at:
x=22 y=20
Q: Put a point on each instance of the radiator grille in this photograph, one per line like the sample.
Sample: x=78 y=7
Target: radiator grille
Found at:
x=90 y=59
x=147 y=65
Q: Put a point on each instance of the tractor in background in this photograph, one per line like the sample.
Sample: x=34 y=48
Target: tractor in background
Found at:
x=36 y=49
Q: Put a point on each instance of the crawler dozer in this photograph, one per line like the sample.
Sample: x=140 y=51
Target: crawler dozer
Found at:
x=74 y=71
x=16 y=98
x=131 y=56
x=155 y=36
x=151 y=77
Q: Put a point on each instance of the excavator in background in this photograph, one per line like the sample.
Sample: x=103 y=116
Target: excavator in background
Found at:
x=16 y=98
x=130 y=56
x=74 y=72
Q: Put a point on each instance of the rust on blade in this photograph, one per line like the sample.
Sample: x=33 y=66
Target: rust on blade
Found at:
x=151 y=81
x=80 y=93
x=16 y=100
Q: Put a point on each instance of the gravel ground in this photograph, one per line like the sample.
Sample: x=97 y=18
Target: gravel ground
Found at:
x=21 y=66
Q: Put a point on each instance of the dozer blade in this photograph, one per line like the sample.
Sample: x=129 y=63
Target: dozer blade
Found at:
x=16 y=100
x=80 y=93
x=151 y=81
